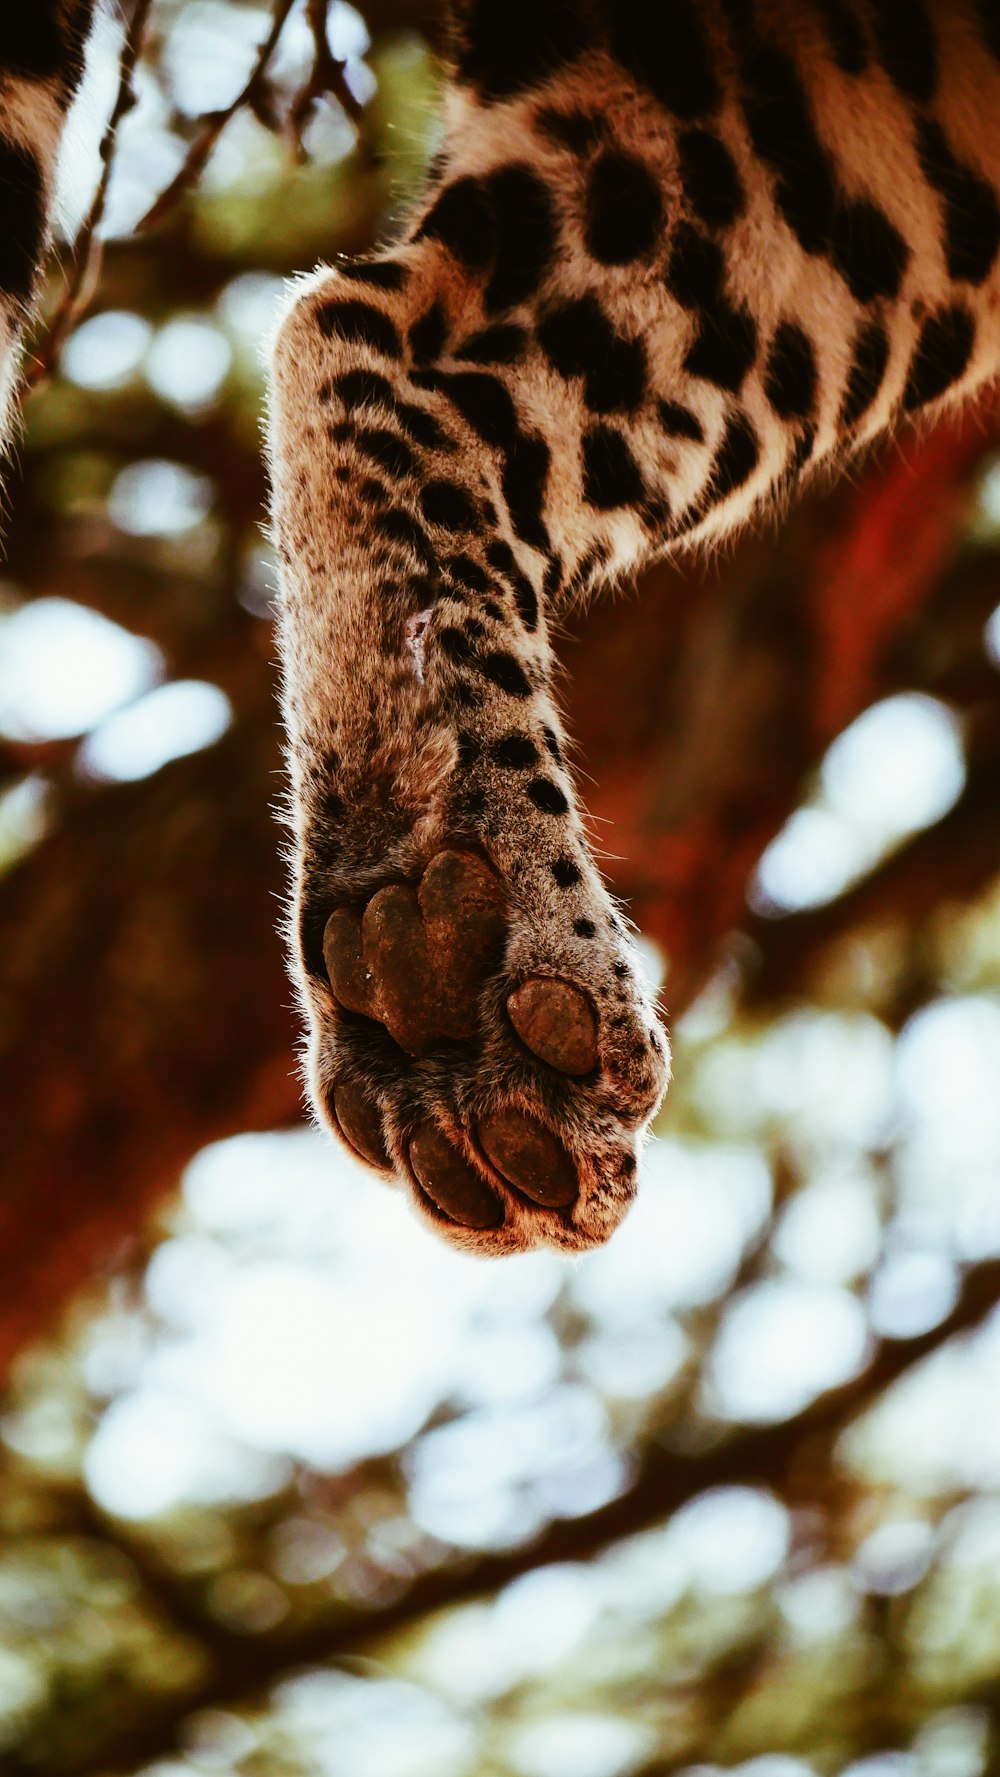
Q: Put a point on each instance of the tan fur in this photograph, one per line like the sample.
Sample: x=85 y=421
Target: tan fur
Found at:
x=350 y=680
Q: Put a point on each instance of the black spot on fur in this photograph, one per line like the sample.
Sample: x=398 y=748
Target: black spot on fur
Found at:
x=525 y=475
x=695 y=269
x=526 y=600
x=611 y=475
x=553 y=578
x=620 y=969
x=579 y=340
x=525 y=236
x=501 y=557
x=429 y=334
x=516 y=752
x=449 y=506
x=23 y=235
x=387 y=449
x=867 y=373
x=397 y=526
x=422 y=427
x=466 y=696
x=725 y=349
x=624 y=211
x=738 y=456
x=678 y=421
x=585 y=928
x=552 y=742
x=942 y=354
x=904 y=39
x=361 y=388
x=782 y=132
x=468 y=573
x=502 y=344
x=373 y=491
x=354 y=321
x=844 y=34
x=547 y=796
x=726 y=345
x=576 y=130
x=470 y=749
x=504 y=670
x=455 y=644
x=665 y=50
x=566 y=873
x=35 y=44
x=484 y=402
x=709 y=178
x=972 y=215
x=505 y=50
x=462 y=219
x=869 y=253
x=385 y=274
x=790 y=378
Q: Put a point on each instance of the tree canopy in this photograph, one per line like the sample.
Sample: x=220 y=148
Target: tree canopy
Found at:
x=284 y=1486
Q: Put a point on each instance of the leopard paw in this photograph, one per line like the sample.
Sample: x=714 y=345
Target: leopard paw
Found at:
x=503 y=1070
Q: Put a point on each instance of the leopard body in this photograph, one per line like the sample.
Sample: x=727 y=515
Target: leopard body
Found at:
x=671 y=259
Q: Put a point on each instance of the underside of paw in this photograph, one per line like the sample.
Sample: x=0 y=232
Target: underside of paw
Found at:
x=509 y=1097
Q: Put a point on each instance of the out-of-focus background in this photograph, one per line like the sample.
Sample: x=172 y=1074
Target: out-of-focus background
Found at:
x=285 y=1486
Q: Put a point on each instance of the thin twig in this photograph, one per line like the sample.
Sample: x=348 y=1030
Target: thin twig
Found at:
x=253 y=94
x=88 y=249
x=326 y=77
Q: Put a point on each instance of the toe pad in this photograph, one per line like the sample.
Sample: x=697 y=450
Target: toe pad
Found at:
x=451 y=1182
x=556 y=1021
x=529 y=1157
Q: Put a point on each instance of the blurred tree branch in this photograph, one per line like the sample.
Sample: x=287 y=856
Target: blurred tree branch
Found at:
x=85 y=266
x=326 y=78
x=254 y=96
x=793 y=1458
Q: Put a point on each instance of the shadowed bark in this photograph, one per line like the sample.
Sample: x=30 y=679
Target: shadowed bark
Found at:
x=702 y=707
x=143 y=1010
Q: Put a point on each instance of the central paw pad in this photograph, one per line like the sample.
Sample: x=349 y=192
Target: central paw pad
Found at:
x=415 y=959
x=513 y=1108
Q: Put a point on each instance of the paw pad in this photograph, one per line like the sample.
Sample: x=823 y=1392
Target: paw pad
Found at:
x=466 y=1109
x=556 y=1021
x=360 y=1123
x=416 y=958
x=451 y=1182
x=529 y=1157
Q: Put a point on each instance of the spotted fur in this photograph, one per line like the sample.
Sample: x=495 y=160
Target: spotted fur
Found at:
x=671 y=258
